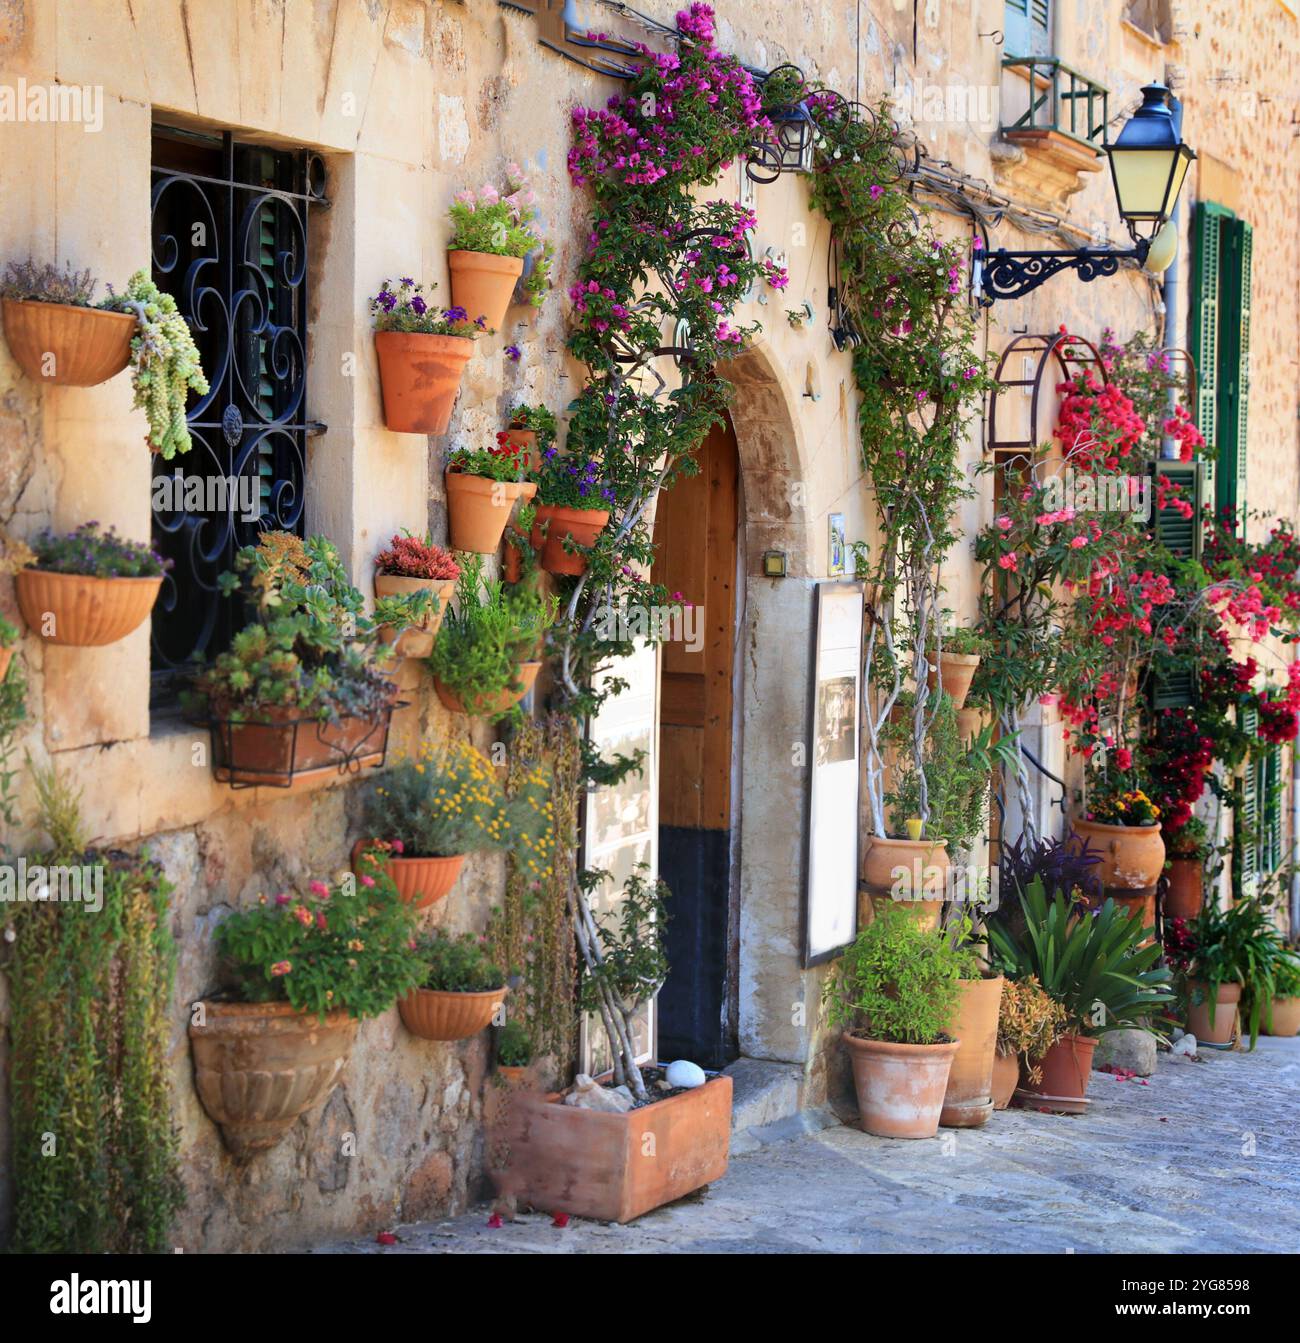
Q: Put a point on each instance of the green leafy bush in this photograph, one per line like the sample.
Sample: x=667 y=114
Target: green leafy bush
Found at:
x=899 y=981
x=514 y=1045
x=633 y=962
x=1239 y=945
x=458 y=964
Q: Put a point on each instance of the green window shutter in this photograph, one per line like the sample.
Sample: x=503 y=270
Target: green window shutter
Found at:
x=1245 y=839
x=1175 y=687
x=1205 y=318
x=1269 y=789
x=1234 y=365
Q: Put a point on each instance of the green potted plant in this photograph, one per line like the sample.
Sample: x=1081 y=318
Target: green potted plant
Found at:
x=1284 y=1011
x=422 y=354
x=85 y=588
x=1030 y=1022
x=485 y=658
x=460 y=992
x=302 y=688
x=1092 y=962
x=531 y=431
x=1186 y=849
x=1233 y=956
x=407 y=566
x=573 y=499
x=1123 y=824
x=957 y=651
x=491 y=234
x=300 y=972
x=483 y=486
x=514 y=1052
x=893 y=995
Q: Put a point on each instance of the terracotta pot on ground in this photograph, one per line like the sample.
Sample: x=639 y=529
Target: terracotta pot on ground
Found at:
x=87 y=612
x=482 y=283
x=956 y=672
x=1186 y=890
x=924 y=868
x=1132 y=856
x=1066 y=1069
x=436 y=1015
x=420 y=375
x=1005 y=1079
x=86 y=346
x=416 y=642
x=279 y=746
x=1225 y=1012
x=478 y=509
x=900 y=1088
x=499 y=703
x=583 y=524
x=967 y=1101
x=613 y=1167
x=258 y=1066
x=420 y=881
x=1286 y=1018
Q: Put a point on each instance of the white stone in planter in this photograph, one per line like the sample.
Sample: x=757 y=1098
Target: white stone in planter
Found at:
x=683 y=1073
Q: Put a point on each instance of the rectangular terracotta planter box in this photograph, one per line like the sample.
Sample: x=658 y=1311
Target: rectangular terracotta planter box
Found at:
x=612 y=1167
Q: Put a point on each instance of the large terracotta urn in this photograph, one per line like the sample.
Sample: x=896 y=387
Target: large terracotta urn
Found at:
x=1132 y=856
x=912 y=873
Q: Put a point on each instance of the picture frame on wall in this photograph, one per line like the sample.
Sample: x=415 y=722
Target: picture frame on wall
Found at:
x=837 y=554
x=834 y=772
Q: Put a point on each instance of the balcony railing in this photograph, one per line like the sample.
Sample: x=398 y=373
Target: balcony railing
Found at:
x=1061 y=100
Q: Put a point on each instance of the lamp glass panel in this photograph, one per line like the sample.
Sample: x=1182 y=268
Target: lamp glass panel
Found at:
x=1142 y=179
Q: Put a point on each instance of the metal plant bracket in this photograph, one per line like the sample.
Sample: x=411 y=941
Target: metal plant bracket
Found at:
x=607 y=54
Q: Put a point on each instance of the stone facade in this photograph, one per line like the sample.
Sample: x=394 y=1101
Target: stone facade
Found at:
x=408 y=101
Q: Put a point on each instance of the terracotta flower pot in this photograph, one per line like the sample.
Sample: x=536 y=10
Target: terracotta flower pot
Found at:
x=434 y=1015
x=583 y=524
x=83 y=346
x=478 y=509
x=482 y=284
x=1066 y=1069
x=6 y=657
x=956 y=672
x=1186 y=890
x=259 y=1066
x=971 y=722
x=420 y=375
x=612 y=1167
x=524 y=440
x=86 y=612
x=1132 y=856
x=420 y=881
x=499 y=703
x=278 y=746
x=1005 y=1079
x=513 y=1075
x=914 y=870
x=416 y=642
x=900 y=1087
x=1225 y=1012
x=1285 y=1019
x=967 y=1102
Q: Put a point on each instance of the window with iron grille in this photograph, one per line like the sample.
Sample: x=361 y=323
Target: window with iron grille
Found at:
x=229 y=243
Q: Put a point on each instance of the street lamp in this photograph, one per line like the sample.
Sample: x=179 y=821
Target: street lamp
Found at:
x=1148 y=164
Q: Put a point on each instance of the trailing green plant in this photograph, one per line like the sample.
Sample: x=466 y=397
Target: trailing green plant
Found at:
x=9 y=633
x=95 y=553
x=90 y=983
x=347 y=947
x=1191 y=840
x=514 y=1045
x=13 y=712
x=1286 y=975
x=1237 y=945
x=461 y=964
x=1092 y=962
x=898 y=982
x=536 y=282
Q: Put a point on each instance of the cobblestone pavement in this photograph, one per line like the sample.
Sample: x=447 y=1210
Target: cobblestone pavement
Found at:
x=1205 y=1158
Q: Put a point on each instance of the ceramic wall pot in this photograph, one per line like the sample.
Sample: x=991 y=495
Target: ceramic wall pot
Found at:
x=434 y=1015
x=1186 y=890
x=416 y=642
x=968 y=1101
x=956 y=672
x=478 y=509
x=482 y=284
x=420 y=375
x=1224 y=1026
x=1285 y=1021
x=84 y=612
x=584 y=525
x=497 y=704
x=66 y=345
x=1132 y=856
x=612 y=1167
x=1005 y=1079
x=1066 y=1069
x=913 y=870
x=971 y=722
x=900 y=1088
x=513 y=1075
x=259 y=1066
x=6 y=657
x=420 y=881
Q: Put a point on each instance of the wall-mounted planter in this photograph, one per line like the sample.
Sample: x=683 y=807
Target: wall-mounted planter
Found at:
x=524 y=442
x=87 y=612
x=436 y=1015
x=420 y=375
x=259 y=1066
x=584 y=525
x=416 y=642
x=614 y=1167
x=276 y=748
x=6 y=657
x=478 y=509
x=504 y=700
x=83 y=346
x=482 y=283
x=917 y=867
x=956 y=672
x=420 y=881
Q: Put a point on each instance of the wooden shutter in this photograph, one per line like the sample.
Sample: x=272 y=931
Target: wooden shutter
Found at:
x=1028 y=25
x=1205 y=317
x=1234 y=364
x=1269 y=802
x=1245 y=838
x=1175 y=688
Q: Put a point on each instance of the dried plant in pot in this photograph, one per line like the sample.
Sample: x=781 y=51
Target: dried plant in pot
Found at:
x=483 y=486
x=301 y=970
x=491 y=235
x=86 y=588
x=1029 y=1023
x=461 y=992
x=407 y=566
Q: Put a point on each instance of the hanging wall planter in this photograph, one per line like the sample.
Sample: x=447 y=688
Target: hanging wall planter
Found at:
x=277 y=747
x=494 y=705
x=68 y=345
x=6 y=657
x=956 y=672
x=482 y=284
x=434 y=1015
x=420 y=881
x=581 y=525
x=416 y=642
x=478 y=508
x=925 y=865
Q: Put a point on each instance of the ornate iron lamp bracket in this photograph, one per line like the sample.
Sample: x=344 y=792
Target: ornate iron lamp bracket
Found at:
x=1004 y=274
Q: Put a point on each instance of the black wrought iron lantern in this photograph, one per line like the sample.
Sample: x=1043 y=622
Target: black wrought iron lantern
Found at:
x=789 y=146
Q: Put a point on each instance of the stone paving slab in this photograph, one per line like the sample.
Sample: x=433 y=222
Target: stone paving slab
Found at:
x=1203 y=1158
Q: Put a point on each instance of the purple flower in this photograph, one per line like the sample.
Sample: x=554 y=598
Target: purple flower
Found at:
x=513 y=353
